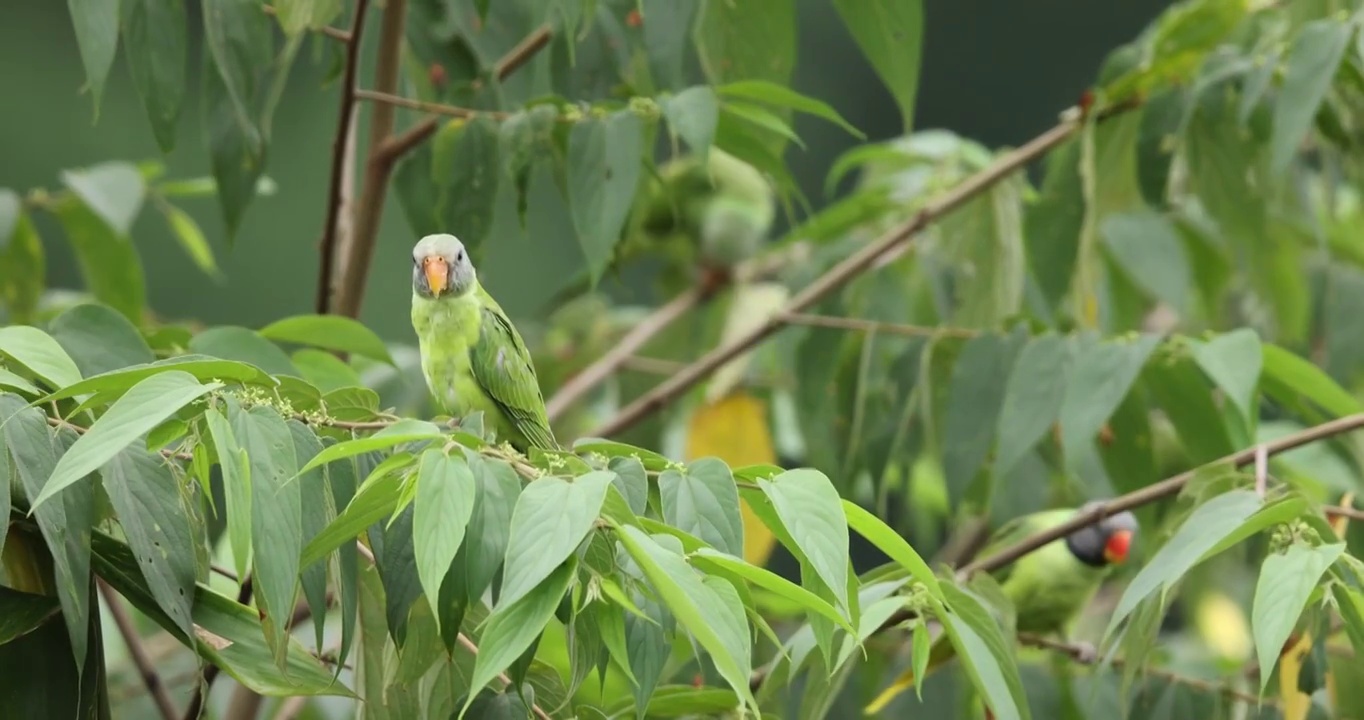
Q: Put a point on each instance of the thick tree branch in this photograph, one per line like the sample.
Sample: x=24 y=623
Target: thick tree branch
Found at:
x=385 y=149
x=150 y=678
x=336 y=194
x=852 y=266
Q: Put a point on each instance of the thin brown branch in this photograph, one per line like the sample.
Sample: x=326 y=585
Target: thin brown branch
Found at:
x=454 y=111
x=150 y=678
x=859 y=325
x=60 y=423
x=1162 y=489
x=651 y=365
x=354 y=267
x=335 y=195
x=329 y=31
x=385 y=149
x=1080 y=654
x=591 y=376
x=851 y=266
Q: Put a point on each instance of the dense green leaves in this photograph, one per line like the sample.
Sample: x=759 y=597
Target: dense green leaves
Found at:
x=551 y=517
x=145 y=406
x=1286 y=581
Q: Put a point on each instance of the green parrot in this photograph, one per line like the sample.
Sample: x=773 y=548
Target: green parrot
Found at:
x=1048 y=587
x=472 y=356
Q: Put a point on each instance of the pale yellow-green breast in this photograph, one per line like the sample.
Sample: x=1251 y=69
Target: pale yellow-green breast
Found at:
x=446 y=330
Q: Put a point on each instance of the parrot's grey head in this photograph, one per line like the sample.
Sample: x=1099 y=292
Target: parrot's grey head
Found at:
x=441 y=267
x=1106 y=542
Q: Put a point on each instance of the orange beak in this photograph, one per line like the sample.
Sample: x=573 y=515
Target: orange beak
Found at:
x=437 y=273
x=1115 y=550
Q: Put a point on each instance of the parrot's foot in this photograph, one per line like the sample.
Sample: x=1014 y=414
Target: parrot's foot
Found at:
x=1086 y=653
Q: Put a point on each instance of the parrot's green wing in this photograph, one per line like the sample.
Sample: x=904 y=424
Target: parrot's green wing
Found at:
x=1008 y=534
x=502 y=367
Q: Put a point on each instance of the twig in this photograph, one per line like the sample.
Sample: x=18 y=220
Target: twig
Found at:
x=1261 y=470
x=1162 y=489
x=329 y=31
x=469 y=645
x=454 y=111
x=327 y=253
x=837 y=276
x=150 y=678
x=196 y=701
x=651 y=365
x=57 y=422
x=657 y=321
x=1078 y=653
x=385 y=149
x=857 y=324
x=398 y=146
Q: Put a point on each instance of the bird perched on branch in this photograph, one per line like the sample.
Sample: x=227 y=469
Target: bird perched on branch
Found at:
x=1048 y=587
x=472 y=356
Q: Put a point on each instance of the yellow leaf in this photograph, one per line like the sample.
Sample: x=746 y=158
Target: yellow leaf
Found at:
x=1222 y=625
x=735 y=430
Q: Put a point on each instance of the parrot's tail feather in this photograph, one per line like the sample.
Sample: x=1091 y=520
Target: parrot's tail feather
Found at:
x=901 y=684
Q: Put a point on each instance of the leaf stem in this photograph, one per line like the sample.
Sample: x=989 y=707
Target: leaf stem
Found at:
x=852 y=266
x=329 y=31
x=335 y=193
x=150 y=678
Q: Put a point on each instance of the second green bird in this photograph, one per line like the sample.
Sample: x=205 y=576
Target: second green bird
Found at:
x=1048 y=587
x=472 y=356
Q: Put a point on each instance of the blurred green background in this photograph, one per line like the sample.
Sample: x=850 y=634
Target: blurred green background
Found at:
x=996 y=72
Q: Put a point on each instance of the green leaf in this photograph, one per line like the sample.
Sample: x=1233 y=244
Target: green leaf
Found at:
x=38 y=353
x=228 y=634
x=374 y=500
x=889 y=542
x=1312 y=64
x=23 y=266
x=1146 y=246
x=890 y=34
x=316 y=512
x=782 y=96
x=1032 y=398
x=760 y=117
x=276 y=517
x=445 y=500
x=603 y=174
x=99 y=339
x=109 y=263
x=755 y=39
x=236 y=468
x=191 y=238
x=978 y=642
x=466 y=169
x=146 y=497
x=14 y=382
x=333 y=332
x=155 y=34
x=324 y=370
x=201 y=367
x=704 y=501
x=236 y=146
x=513 y=627
x=243 y=345
x=146 y=405
x=612 y=449
x=693 y=115
x=113 y=190
x=631 y=481
x=1200 y=533
x=695 y=604
x=295 y=16
x=809 y=508
x=666 y=26
x=21 y=613
x=1287 y=375
x=724 y=562
x=552 y=516
x=240 y=46
x=404 y=431
x=96 y=23
x=65 y=524
x=1286 y=581
x=1104 y=372
x=1233 y=360
x=975 y=399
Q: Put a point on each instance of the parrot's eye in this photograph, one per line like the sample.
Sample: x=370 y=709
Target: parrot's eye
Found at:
x=459 y=256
